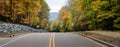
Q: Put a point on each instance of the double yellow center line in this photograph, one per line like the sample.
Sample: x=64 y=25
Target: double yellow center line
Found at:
x=52 y=40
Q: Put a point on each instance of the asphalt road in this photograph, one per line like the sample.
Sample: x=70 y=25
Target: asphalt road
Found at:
x=48 y=40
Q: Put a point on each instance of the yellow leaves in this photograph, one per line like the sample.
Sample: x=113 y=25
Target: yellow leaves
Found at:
x=80 y=17
x=35 y=20
x=66 y=20
x=79 y=6
x=20 y=11
x=37 y=3
x=95 y=6
x=24 y=11
x=98 y=4
x=51 y=27
x=31 y=8
x=66 y=16
x=70 y=24
x=55 y=23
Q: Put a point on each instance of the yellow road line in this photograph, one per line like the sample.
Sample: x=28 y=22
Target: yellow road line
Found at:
x=52 y=40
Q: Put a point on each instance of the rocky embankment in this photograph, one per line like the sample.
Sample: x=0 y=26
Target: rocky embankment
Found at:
x=6 y=27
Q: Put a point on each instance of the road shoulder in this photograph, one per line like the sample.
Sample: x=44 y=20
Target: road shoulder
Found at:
x=96 y=40
x=3 y=38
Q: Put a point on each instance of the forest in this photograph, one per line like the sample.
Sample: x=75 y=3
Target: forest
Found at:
x=26 y=12
x=81 y=15
x=76 y=15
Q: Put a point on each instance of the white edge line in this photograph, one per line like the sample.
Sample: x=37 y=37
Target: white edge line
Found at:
x=96 y=42
x=13 y=41
x=92 y=41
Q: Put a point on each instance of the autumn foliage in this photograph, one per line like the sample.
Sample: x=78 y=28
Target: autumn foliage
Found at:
x=90 y=15
x=23 y=11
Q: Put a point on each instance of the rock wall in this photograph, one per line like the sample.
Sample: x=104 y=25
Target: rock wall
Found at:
x=18 y=28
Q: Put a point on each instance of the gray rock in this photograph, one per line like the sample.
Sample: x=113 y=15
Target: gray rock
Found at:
x=17 y=28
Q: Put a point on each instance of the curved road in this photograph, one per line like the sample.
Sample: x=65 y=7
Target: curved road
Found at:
x=48 y=40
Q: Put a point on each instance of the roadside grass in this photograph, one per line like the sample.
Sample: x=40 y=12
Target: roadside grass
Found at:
x=102 y=36
x=105 y=38
x=12 y=34
x=8 y=34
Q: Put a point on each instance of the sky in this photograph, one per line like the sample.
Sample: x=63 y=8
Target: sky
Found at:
x=55 y=5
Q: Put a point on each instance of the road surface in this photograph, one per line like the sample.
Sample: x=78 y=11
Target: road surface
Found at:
x=48 y=40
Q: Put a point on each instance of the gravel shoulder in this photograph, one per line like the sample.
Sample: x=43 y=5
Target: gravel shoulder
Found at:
x=107 y=33
x=106 y=36
x=3 y=38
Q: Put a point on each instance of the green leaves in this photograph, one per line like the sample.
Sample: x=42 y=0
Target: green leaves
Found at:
x=93 y=14
x=117 y=22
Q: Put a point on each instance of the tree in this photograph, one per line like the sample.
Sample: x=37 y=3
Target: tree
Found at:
x=23 y=11
x=91 y=14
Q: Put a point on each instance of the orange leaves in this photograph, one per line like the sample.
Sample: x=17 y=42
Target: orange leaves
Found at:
x=24 y=11
x=65 y=16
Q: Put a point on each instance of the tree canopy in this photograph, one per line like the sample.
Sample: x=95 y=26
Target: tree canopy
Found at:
x=26 y=12
x=90 y=15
